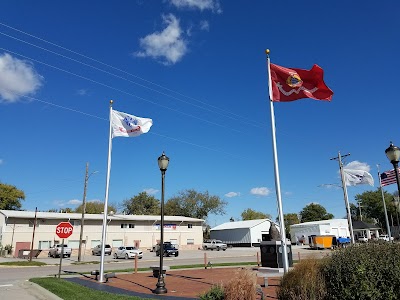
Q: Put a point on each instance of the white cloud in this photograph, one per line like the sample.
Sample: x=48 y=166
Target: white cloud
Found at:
x=1 y=161
x=356 y=165
x=204 y=25
x=260 y=191
x=212 y=5
x=151 y=191
x=75 y=202
x=17 y=78
x=232 y=194
x=82 y=92
x=168 y=44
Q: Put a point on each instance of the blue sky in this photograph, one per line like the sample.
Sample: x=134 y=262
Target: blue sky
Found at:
x=198 y=69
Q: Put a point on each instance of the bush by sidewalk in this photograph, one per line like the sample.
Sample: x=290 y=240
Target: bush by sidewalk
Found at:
x=361 y=272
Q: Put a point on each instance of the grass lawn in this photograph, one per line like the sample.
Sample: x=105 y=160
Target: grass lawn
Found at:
x=71 y=291
x=23 y=263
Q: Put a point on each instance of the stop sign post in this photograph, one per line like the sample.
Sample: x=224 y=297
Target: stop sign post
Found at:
x=63 y=231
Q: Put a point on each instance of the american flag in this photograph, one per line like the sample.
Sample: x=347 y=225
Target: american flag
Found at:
x=388 y=177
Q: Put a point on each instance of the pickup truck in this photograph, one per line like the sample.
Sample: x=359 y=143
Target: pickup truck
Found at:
x=214 y=244
x=56 y=250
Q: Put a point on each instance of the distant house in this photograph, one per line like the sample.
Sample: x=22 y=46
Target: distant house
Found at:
x=241 y=233
x=362 y=229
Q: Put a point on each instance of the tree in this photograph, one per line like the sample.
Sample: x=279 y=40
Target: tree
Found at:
x=314 y=212
x=250 y=214
x=10 y=197
x=190 y=203
x=372 y=206
x=95 y=207
x=142 y=204
x=290 y=219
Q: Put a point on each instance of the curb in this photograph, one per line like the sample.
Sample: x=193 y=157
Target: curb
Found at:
x=38 y=291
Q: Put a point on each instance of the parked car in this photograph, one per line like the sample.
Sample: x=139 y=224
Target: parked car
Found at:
x=157 y=246
x=214 y=244
x=169 y=250
x=385 y=237
x=97 y=250
x=127 y=252
x=56 y=250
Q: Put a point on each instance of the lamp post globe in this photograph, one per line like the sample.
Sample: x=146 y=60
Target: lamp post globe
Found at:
x=163 y=162
x=393 y=154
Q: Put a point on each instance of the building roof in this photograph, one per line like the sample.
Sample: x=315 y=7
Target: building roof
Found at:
x=240 y=224
x=322 y=222
x=78 y=216
x=363 y=225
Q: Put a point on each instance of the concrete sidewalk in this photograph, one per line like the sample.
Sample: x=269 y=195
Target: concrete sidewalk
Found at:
x=26 y=290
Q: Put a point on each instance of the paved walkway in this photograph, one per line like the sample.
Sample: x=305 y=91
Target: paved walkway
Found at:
x=181 y=284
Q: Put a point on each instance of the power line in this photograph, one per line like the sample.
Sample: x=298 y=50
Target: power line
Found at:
x=122 y=91
x=225 y=113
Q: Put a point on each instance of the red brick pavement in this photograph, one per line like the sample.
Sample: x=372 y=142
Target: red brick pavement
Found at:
x=186 y=283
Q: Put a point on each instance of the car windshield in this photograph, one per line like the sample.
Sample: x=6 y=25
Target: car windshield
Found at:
x=131 y=248
x=108 y=246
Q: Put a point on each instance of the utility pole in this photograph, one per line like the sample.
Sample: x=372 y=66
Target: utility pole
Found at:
x=346 y=198
x=359 y=208
x=83 y=211
x=33 y=235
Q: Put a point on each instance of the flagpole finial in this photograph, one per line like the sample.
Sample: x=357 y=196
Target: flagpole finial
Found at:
x=111 y=102
x=267 y=51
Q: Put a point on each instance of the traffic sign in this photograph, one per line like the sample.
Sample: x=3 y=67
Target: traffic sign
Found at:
x=64 y=230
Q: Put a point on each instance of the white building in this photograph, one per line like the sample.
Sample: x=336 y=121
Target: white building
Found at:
x=241 y=233
x=336 y=227
x=16 y=229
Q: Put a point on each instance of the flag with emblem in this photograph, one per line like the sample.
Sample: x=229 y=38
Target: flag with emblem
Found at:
x=127 y=125
x=293 y=84
x=355 y=177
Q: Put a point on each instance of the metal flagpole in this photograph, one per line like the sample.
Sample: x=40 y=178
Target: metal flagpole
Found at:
x=384 y=206
x=104 y=230
x=346 y=198
x=285 y=259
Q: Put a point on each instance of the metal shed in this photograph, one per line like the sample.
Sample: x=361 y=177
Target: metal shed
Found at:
x=335 y=227
x=241 y=233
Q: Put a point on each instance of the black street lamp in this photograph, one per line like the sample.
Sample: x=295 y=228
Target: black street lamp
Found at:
x=163 y=161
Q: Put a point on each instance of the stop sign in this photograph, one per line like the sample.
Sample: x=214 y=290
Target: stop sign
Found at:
x=64 y=230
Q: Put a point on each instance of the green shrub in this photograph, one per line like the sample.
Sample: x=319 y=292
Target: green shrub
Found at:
x=366 y=271
x=215 y=293
x=303 y=282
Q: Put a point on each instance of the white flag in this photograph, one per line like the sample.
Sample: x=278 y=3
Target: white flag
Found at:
x=128 y=125
x=356 y=177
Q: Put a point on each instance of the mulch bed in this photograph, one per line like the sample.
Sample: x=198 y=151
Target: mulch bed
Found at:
x=181 y=284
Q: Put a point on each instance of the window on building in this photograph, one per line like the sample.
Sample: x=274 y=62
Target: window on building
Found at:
x=74 y=244
x=43 y=245
x=75 y=222
x=190 y=225
x=127 y=225
x=190 y=241
x=31 y=223
x=94 y=243
x=117 y=243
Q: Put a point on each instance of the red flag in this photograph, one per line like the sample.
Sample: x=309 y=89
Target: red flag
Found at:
x=294 y=84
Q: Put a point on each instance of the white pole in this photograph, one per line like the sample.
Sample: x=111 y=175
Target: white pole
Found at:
x=346 y=199
x=285 y=260
x=104 y=230
x=384 y=207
